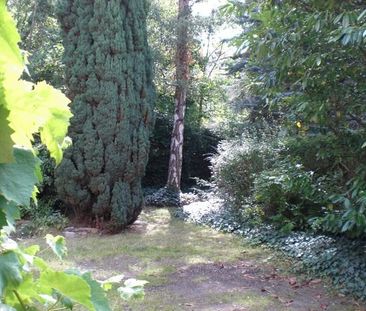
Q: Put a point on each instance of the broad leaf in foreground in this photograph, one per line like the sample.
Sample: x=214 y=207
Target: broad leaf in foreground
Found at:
x=10 y=267
x=17 y=179
x=71 y=286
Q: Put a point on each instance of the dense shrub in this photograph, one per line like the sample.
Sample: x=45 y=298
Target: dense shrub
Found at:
x=289 y=195
x=305 y=181
x=347 y=212
x=327 y=153
x=238 y=161
x=337 y=160
x=302 y=59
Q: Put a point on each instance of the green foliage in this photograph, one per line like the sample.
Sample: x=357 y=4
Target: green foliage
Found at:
x=34 y=107
x=132 y=289
x=304 y=70
x=109 y=79
x=302 y=63
x=27 y=108
x=40 y=222
x=235 y=166
x=338 y=161
x=324 y=154
x=43 y=288
x=289 y=195
x=47 y=210
x=18 y=178
x=347 y=213
x=57 y=244
x=41 y=39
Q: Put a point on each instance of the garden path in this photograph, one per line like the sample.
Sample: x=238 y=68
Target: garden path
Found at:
x=192 y=267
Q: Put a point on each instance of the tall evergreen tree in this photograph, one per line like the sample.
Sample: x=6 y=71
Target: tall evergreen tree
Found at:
x=109 y=80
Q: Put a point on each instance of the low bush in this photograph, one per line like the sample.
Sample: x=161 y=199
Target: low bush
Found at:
x=347 y=212
x=238 y=161
x=337 y=160
x=41 y=217
x=308 y=181
x=289 y=195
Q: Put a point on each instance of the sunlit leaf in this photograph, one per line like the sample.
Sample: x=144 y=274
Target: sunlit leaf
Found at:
x=132 y=289
x=57 y=245
x=71 y=286
x=6 y=143
x=135 y=283
x=10 y=57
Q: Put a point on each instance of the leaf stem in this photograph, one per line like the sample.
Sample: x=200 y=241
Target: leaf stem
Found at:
x=24 y=307
x=55 y=304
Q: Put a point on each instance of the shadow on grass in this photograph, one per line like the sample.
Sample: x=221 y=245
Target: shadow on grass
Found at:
x=189 y=267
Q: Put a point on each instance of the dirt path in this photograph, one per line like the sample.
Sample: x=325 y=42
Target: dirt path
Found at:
x=196 y=268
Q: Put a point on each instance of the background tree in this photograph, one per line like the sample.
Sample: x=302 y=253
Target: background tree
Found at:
x=182 y=78
x=41 y=39
x=109 y=80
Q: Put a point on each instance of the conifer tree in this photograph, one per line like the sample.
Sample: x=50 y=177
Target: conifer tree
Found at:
x=109 y=80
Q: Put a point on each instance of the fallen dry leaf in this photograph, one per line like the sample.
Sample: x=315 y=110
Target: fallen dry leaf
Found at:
x=292 y=281
x=315 y=282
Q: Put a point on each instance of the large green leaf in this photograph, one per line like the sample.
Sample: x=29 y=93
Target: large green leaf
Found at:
x=17 y=179
x=10 y=268
x=26 y=290
x=9 y=212
x=37 y=107
x=71 y=286
x=10 y=57
x=98 y=297
x=6 y=143
x=26 y=108
x=33 y=108
x=54 y=129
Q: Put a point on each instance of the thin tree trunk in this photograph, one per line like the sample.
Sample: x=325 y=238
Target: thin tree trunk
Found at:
x=182 y=77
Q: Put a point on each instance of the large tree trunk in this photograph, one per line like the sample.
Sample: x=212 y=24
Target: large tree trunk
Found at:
x=109 y=79
x=182 y=77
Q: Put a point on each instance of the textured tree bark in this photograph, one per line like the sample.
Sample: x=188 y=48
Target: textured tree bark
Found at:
x=182 y=78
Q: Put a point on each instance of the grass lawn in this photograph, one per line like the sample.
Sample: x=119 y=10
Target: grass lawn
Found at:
x=195 y=268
